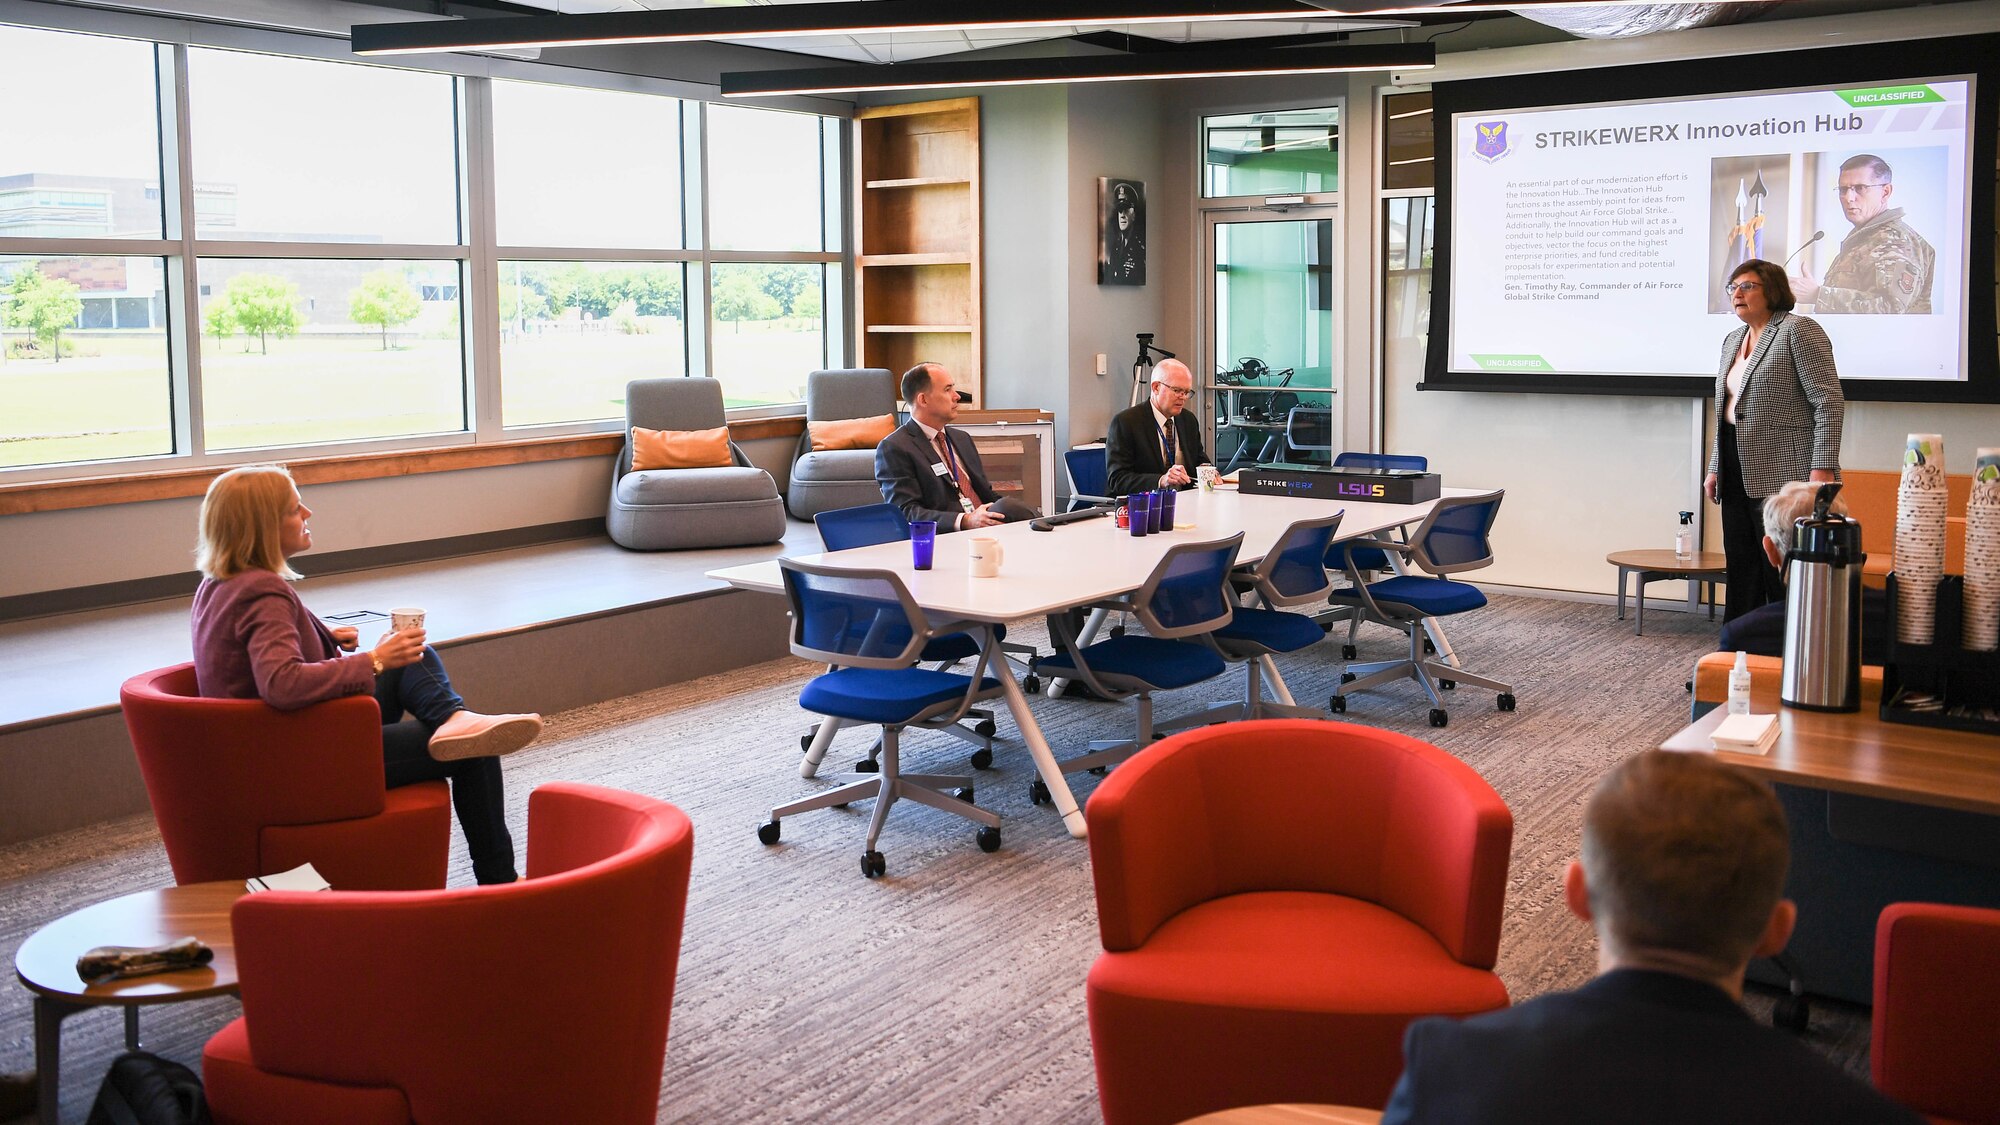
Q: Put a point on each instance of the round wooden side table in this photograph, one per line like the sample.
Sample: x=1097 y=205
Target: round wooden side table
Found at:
x=1701 y=572
x=46 y=963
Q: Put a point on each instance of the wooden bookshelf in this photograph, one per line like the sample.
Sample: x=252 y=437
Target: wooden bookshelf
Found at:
x=917 y=233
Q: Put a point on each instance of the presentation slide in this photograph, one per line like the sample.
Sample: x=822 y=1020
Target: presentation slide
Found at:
x=1595 y=239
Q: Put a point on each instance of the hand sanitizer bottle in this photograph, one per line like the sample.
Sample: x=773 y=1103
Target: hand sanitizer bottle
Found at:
x=1684 y=538
x=1739 y=685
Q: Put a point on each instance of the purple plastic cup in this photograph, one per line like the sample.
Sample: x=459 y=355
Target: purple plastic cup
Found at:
x=1155 y=507
x=1140 y=506
x=923 y=542
x=1169 y=500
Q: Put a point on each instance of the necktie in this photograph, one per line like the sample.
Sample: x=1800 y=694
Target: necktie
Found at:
x=964 y=485
x=1167 y=435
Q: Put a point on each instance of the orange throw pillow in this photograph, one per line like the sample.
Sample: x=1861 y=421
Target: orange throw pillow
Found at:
x=680 y=449
x=851 y=433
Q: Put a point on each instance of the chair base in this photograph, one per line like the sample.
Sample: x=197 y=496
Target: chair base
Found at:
x=888 y=787
x=1426 y=670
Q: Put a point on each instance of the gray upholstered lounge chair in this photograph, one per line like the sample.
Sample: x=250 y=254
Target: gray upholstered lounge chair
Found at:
x=669 y=509
x=839 y=478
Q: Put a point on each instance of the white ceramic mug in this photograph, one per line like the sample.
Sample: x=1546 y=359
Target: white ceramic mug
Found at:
x=985 y=555
x=403 y=620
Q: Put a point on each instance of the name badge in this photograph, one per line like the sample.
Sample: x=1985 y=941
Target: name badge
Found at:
x=965 y=502
x=941 y=469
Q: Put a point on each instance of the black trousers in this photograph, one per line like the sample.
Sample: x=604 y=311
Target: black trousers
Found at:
x=1752 y=580
x=424 y=692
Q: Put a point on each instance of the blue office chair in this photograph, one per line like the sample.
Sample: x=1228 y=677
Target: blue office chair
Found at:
x=1293 y=573
x=1186 y=596
x=1089 y=471
x=866 y=625
x=1367 y=560
x=1456 y=537
x=842 y=529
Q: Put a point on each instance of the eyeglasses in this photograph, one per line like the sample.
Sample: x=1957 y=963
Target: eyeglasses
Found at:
x=1177 y=392
x=1742 y=287
x=1845 y=190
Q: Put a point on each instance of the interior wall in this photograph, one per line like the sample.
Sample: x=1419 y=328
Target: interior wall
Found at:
x=1023 y=162
x=1587 y=474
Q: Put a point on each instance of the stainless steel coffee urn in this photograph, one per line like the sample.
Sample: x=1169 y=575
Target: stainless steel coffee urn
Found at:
x=1823 y=611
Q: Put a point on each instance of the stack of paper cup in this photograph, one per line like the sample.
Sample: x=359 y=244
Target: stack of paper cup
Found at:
x=1982 y=553
x=1920 y=520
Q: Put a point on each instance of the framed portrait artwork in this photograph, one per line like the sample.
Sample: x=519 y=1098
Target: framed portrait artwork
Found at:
x=1121 y=232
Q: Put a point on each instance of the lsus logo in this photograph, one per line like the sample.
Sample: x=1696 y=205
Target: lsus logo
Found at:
x=1358 y=488
x=1489 y=140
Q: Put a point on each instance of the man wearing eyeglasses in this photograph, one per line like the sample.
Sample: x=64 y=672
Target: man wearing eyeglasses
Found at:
x=1883 y=266
x=1156 y=444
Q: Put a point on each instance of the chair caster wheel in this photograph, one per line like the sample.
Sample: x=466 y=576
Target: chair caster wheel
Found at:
x=1098 y=771
x=1791 y=1013
x=1031 y=684
x=873 y=865
x=767 y=832
x=1349 y=652
x=963 y=793
x=806 y=740
x=989 y=839
x=1438 y=717
x=867 y=765
x=985 y=728
x=1118 y=630
x=1038 y=792
x=1337 y=705
x=1347 y=677
x=1447 y=685
x=982 y=759
x=1504 y=701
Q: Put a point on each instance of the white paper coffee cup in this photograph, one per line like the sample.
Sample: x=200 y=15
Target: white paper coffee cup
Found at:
x=403 y=620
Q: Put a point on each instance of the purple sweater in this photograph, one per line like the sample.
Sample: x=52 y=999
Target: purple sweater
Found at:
x=254 y=639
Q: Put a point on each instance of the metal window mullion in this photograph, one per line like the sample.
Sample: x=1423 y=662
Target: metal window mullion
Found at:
x=772 y=257
x=694 y=194
x=589 y=254
x=184 y=347
x=479 y=299
x=354 y=251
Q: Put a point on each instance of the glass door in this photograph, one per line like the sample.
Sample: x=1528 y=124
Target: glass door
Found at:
x=1271 y=341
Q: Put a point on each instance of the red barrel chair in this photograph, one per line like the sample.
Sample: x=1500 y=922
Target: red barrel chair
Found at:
x=1935 y=1044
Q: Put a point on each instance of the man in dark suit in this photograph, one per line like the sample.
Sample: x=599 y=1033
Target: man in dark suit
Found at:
x=932 y=472
x=1156 y=444
x=1682 y=871
x=1761 y=632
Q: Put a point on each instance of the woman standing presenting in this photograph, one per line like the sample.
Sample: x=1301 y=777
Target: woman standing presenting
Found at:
x=1778 y=410
x=254 y=639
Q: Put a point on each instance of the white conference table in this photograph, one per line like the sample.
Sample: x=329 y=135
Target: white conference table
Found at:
x=1075 y=564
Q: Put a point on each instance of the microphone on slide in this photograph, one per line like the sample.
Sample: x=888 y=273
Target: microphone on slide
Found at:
x=1817 y=235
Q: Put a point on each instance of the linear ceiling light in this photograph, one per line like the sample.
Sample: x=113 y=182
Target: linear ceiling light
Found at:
x=869 y=17
x=1093 y=68
x=1371 y=8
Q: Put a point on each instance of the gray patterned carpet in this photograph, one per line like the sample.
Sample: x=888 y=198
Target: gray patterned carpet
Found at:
x=952 y=990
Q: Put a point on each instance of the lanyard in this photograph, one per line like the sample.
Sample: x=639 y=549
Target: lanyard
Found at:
x=952 y=471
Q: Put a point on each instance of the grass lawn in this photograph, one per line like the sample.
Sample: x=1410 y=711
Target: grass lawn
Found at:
x=114 y=400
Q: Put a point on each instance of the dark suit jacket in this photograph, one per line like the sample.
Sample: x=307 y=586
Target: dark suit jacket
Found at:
x=1133 y=457
x=1629 y=1047
x=905 y=470
x=1762 y=630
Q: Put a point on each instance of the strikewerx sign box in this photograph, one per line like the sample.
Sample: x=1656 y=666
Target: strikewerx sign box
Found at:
x=1386 y=486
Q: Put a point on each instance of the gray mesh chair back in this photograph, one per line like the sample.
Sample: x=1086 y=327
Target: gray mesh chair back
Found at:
x=1188 y=592
x=1295 y=573
x=1457 y=535
x=853 y=618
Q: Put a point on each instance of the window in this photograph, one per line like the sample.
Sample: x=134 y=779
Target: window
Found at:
x=316 y=350
x=1409 y=141
x=766 y=183
x=1282 y=152
x=296 y=150
x=83 y=360
x=572 y=334
x=586 y=167
x=769 y=330
x=331 y=287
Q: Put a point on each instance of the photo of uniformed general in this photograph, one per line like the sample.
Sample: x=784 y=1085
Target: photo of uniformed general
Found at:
x=1121 y=234
x=1883 y=265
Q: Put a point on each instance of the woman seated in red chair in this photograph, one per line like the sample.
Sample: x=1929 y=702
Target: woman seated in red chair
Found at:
x=254 y=639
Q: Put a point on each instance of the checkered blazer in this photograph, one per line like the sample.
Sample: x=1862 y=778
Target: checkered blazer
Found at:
x=1788 y=417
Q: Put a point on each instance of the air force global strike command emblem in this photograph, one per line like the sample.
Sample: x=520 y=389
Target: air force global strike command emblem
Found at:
x=1490 y=140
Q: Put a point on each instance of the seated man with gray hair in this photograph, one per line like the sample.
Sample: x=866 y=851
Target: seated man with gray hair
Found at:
x=1761 y=632
x=1682 y=876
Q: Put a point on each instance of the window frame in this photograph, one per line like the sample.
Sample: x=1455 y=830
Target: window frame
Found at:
x=1204 y=201
x=477 y=254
